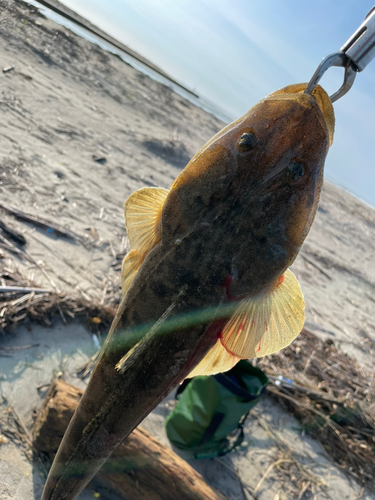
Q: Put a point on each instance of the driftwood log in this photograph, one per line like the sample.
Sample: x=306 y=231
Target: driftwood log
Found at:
x=140 y=469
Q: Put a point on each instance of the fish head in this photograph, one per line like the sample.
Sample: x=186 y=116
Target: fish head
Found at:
x=257 y=183
x=287 y=135
x=278 y=153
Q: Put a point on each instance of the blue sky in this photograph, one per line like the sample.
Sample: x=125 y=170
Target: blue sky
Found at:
x=235 y=52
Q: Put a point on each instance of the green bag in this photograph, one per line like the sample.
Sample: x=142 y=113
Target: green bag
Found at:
x=208 y=419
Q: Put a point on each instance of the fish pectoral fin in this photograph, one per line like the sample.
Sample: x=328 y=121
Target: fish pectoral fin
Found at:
x=260 y=325
x=268 y=322
x=130 y=265
x=217 y=360
x=143 y=211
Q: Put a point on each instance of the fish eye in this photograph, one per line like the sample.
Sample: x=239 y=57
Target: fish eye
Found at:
x=247 y=141
x=295 y=170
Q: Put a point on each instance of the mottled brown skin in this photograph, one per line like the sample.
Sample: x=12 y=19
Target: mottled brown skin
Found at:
x=230 y=213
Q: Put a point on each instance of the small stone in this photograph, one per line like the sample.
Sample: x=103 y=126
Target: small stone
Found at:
x=100 y=159
x=8 y=69
x=3 y=439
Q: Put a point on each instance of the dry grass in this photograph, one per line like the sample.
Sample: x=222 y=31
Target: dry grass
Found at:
x=332 y=398
x=295 y=478
x=19 y=307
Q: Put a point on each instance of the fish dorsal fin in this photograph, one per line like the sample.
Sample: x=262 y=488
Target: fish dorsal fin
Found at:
x=268 y=322
x=143 y=211
x=217 y=360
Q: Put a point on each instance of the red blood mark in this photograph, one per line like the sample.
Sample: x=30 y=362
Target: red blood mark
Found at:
x=227 y=282
x=217 y=326
x=225 y=347
x=280 y=280
x=260 y=341
x=265 y=324
x=242 y=325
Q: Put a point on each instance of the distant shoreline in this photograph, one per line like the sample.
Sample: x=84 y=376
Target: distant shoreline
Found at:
x=72 y=16
x=80 y=21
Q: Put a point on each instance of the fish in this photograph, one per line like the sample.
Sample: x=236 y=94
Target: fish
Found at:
x=206 y=281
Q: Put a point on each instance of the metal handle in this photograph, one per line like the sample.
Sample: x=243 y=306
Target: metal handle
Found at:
x=354 y=56
x=360 y=47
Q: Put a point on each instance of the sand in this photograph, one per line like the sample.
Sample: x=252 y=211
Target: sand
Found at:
x=79 y=131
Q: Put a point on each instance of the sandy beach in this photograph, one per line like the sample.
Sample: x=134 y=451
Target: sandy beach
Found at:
x=80 y=130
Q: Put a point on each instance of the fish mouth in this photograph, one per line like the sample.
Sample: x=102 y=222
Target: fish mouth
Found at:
x=319 y=96
x=324 y=103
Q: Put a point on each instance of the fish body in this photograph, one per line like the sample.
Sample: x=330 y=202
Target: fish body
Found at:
x=206 y=281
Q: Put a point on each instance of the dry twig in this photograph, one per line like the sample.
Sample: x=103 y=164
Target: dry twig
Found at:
x=37 y=221
x=331 y=397
x=27 y=302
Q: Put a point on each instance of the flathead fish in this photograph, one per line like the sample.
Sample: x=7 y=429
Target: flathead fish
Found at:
x=206 y=281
